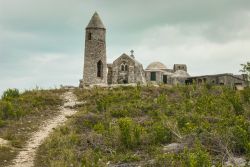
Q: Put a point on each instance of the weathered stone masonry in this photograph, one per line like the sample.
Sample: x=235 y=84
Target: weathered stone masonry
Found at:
x=95 y=63
x=126 y=69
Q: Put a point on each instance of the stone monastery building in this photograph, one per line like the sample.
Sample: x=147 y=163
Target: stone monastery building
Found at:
x=126 y=69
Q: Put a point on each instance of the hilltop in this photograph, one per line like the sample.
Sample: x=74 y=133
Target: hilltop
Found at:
x=130 y=126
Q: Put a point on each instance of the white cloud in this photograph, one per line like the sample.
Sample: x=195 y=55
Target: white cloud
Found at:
x=175 y=44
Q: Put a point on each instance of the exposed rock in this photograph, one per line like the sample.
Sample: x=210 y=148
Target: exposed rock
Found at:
x=4 y=142
x=236 y=161
x=124 y=165
x=173 y=148
x=72 y=102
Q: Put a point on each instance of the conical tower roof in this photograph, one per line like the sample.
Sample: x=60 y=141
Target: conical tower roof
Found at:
x=95 y=22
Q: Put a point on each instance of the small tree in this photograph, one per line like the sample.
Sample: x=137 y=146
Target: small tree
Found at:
x=246 y=70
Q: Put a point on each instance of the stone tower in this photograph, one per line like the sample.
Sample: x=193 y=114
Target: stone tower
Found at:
x=95 y=63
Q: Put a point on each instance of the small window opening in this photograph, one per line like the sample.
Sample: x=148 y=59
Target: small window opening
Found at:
x=89 y=36
x=99 y=69
x=153 y=76
x=126 y=67
x=122 y=67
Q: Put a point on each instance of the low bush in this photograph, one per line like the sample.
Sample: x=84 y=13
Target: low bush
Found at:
x=132 y=125
x=6 y=110
x=10 y=94
x=126 y=127
x=161 y=134
x=246 y=94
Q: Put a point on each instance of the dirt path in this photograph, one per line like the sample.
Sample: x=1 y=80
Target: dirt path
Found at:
x=26 y=157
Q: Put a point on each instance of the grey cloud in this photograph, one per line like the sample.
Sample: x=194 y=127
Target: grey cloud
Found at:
x=214 y=32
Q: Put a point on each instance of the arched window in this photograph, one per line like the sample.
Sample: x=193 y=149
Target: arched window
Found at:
x=99 y=69
x=122 y=67
x=126 y=67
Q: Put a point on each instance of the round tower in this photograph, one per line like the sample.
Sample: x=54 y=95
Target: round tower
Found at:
x=95 y=63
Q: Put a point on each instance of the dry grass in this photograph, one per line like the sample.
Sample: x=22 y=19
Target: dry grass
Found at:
x=36 y=106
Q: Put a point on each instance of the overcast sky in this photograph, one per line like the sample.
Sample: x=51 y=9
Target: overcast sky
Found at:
x=41 y=41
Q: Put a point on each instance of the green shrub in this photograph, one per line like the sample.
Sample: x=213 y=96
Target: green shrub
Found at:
x=64 y=130
x=167 y=160
x=237 y=104
x=129 y=157
x=125 y=126
x=10 y=94
x=7 y=110
x=2 y=123
x=240 y=140
x=137 y=134
x=209 y=86
x=197 y=157
x=161 y=134
x=91 y=158
x=101 y=105
x=119 y=113
x=246 y=94
x=182 y=120
x=99 y=128
x=161 y=99
x=192 y=157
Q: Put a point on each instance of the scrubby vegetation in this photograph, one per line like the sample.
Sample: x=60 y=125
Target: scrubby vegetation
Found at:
x=21 y=114
x=134 y=125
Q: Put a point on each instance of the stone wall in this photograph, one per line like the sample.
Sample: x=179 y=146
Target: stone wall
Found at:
x=110 y=69
x=182 y=67
x=159 y=75
x=131 y=72
x=220 y=79
x=95 y=50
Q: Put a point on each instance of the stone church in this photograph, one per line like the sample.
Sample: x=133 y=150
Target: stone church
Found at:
x=127 y=70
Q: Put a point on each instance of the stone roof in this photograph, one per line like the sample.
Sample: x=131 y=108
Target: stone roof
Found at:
x=181 y=74
x=95 y=22
x=156 y=66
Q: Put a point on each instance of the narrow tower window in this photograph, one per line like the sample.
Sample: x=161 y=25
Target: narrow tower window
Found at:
x=89 y=36
x=99 y=68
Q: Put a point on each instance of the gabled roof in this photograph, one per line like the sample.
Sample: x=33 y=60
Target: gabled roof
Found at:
x=125 y=55
x=95 y=22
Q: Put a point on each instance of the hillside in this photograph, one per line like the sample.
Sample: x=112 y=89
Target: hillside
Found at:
x=129 y=126
x=23 y=114
x=153 y=126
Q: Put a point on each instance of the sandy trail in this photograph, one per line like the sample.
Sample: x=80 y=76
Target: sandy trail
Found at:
x=26 y=157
